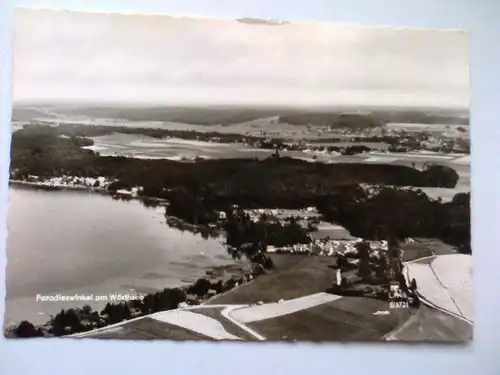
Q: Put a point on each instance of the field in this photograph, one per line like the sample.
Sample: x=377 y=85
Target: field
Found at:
x=255 y=313
x=341 y=319
x=428 y=324
x=289 y=304
x=446 y=282
x=149 y=329
x=215 y=313
x=174 y=149
x=328 y=318
x=333 y=232
x=437 y=246
x=415 y=250
x=347 y=319
x=139 y=146
x=293 y=276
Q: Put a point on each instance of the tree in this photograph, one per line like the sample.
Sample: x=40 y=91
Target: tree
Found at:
x=218 y=286
x=344 y=284
x=170 y=298
x=258 y=269
x=26 y=329
x=441 y=176
x=394 y=253
x=86 y=310
x=148 y=304
x=200 y=287
x=364 y=260
x=413 y=285
x=73 y=320
x=381 y=268
x=341 y=262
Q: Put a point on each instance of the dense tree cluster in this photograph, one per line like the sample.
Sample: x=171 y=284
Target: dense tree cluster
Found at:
x=241 y=229
x=28 y=330
x=82 y=130
x=455 y=227
x=374 y=273
x=403 y=213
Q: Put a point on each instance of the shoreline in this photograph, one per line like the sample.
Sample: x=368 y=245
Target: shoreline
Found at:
x=45 y=186
x=100 y=190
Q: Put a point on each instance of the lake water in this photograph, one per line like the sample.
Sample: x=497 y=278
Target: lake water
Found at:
x=82 y=242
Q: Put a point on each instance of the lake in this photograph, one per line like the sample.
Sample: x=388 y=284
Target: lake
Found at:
x=82 y=242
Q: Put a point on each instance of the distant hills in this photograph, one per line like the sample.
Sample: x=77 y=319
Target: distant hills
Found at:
x=220 y=115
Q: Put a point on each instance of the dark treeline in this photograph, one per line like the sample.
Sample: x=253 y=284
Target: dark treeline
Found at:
x=82 y=130
x=421 y=117
x=208 y=115
x=336 y=120
x=373 y=119
x=403 y=213
x=206 y=186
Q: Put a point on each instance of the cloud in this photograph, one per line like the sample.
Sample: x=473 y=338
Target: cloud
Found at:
x=62 y=55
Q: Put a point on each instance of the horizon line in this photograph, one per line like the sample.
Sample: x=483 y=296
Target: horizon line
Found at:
x=151 y=104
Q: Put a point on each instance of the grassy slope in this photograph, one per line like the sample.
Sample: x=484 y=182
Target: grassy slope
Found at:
x=347 y=319
x=148 y=328
x=293 y=276
x=215 y=313
x=432 y=325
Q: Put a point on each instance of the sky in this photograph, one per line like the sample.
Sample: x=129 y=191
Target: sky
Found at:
x=84 y=57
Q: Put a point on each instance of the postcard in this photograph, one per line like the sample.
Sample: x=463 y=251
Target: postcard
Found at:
x=176 y=178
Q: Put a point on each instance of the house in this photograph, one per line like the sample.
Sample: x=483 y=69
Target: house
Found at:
x=124 y=192
x=271 y=249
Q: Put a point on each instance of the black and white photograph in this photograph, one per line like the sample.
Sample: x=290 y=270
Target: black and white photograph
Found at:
x=181 y=178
